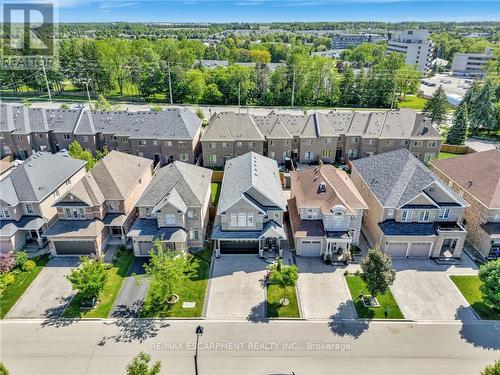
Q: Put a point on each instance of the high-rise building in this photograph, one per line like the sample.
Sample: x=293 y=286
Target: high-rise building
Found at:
x=415 y=45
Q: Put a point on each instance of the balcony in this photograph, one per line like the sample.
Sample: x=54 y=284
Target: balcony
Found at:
x=449 y=226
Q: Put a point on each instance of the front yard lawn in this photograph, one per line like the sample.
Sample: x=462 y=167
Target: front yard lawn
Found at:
x=275 y=309
x=116 y=275
x=357 y=287
x=11 y=293
x=469 y=286
x=215 y=192
x=192 y=291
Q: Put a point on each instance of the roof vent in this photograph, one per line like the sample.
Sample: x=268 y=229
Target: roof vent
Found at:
x=322 y=187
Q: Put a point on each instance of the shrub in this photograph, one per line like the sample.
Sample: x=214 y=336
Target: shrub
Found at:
x=29 y=265
x=346 y=272
x=493 y=369
x=357 y=273
x=8 y=279
x=21 y=257
x=7 y=262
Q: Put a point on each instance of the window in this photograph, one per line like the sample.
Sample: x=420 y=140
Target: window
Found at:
x=338 y=217
x=405 y=142
x=271 y=154
x=371 y=141
x=6 y=212
x=251 y=144
x=238 y=144
x=40 y=136
x=431 y=144
x=29 y=208
x=444 y=214
x=496 y=217
x=85 y=138
x=148 y=212
x=250 y=220
x=328 y=141
x=192 y=213
x=212 y=145
x=183 y=156
x=285 y=142
x=406 y=216
x=424 y=216
x=417 y=143
x=19 y=137
x=234 y=220
x=193 y=234
x=326 y=153
x=390 y=213
x=142 y=143
x=450 y=183
x=56 y=193
x=66 y=136
x=224 y=144
x=182 y=144
x=124 y=140
x=82 y=212
x=416 y=154
x=389 y=143
x=271 y=142
x=155 y=142
x=170 y=219
x=242 y=219
x=168 y=143
x=295 y=139
x=352 y=153
x=68 y=212
x=355 y=140
x=114 y=138
x=212 y=158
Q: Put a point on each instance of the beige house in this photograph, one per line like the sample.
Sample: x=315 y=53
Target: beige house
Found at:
x=412 y=213
x=174 y=208
x=100 y=208
x=27 y=194
x=249 y=217
x=325 y=211
x=333 y=136
x=476 y=178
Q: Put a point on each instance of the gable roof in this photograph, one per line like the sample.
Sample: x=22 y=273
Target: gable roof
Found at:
x=232 y=126
x=112 y=178
x=478 y=173
x=37 y=177
x=253 y=177
x=191 y=183
x=396 y=177
x=339 y=189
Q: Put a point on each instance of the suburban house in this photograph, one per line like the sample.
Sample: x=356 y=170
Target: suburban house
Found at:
x=325 y=211
x=174 y=208
x=476 y=178
x=249 y=216
x=164 y=136
x=100 y=208
x=27 y=194
x=412 y=213
x=333 y=136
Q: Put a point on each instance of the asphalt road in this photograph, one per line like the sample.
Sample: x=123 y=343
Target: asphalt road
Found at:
x=242 y=347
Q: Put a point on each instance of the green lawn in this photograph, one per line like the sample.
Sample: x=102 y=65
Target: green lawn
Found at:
x=413 y=102
x=215 y=187
x=447 y=155
x=469 y=287
x=274 y=308
x=116 y=275
x=10 y=295
x=192 y=291
x=357 y=287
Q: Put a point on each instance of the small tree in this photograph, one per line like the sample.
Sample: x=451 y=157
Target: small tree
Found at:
x=458 y=131
x=283 y=276
x=140 y=365
x=21 y=257
x=489 y=274
x=493 y=369
x=102 y=104
x=64 y=106
x=89 y=278
x=377 y=272
x=437 y=106
x=7 y=262
x=167 y=269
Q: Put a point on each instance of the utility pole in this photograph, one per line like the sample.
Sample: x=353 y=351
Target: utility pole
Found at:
x=170 y=85
x=293 y=86
x=88 y=94
x=46 y=80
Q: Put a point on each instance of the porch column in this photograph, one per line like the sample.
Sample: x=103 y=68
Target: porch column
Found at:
x=217 y=248
x=261 y=250
x=280 y=250
x=123 y=237
x=39 y=239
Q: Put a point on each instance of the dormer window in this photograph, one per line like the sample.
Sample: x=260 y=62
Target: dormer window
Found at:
x=322 y=187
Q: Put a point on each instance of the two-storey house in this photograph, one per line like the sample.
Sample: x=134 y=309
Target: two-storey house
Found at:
x=250 y=210
x=174 y=208
x=100 y=208
x=412 y=213
x=476 y=178
x=27 y=194
x=325 y=211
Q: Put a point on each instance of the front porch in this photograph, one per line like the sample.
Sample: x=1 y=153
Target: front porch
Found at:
x=118 y=228
x=27 y=232
x=450 y=241
x=338 y=246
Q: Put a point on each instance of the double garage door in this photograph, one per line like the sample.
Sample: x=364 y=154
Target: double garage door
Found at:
x=74 y=247
x=239 y=247
x=310 y=248
x=416 y=249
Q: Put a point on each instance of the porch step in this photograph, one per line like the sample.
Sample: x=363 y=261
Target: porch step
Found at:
x=448 y=261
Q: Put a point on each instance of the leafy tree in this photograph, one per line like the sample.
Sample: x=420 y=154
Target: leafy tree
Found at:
x=194 y=85
x=76 y=151
x=140 y=365
x=89 y=278
x=436 y=107
x=102 y=104
x=260 y=56
x=458 y=131
x=377 y=272
x=489 y=274
x=407 y=80
x=21 y=257
x=346 y=87
x=493 y=369
x=7 y=262
x=168 y=269
x=282 y=275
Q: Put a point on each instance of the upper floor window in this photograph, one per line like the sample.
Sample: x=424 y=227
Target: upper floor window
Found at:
x=212 y=145
x=234 y=220
x=170 y=219
x=295 y=139
x=406 y=216
x=182 y=143
x=67 y=136
x=183 y=156
x=29 y=208
x=444 y=214
x=212 y=158
x=56 y=193
x=371 y=141
x=19 y=137
x=286 y=142
x=40 y=136
x=389 y=143
x=431 y=144
x=74 y=213
x=192 y=213
x=496 y=217
x=250 y=220
x=417 y=143
x=148 y=212
x=142 y=142
x=5 y=213
x=271 y=142
x=242 y=219
x=224 y=144
x=424 y=216
x=168 y=143
x=338 y=217
x=238 y=144
x=85 y=138
x=354 y=140
x=405 y=142
x=328 y=141
x=390 y=213
x=251 y=144
x=155 y=142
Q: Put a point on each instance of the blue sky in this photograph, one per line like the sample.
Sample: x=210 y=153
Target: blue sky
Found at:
x=275 y=10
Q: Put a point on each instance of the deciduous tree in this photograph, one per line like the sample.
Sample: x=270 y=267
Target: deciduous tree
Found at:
x=377 y=272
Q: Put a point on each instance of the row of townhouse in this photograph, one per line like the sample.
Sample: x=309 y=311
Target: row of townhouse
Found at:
x=403 y=207
x=165 y=136
x=333 y=136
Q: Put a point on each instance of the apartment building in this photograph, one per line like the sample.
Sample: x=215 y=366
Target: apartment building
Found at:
x=416 y=47
x=165 y=136
x=471 y=64
x=344 y=41
x=333 y=136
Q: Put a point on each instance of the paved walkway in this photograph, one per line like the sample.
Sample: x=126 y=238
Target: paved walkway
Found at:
x=323 y=291
x=49 y=293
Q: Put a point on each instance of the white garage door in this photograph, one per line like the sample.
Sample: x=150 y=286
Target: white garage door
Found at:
x=420 y=249
x=397 y=249
x=310 y=248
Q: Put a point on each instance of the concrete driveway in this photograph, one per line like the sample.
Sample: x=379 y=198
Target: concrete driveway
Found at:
x=235 y=288
x=49 y=293
x=322 y=291
x=424 y=290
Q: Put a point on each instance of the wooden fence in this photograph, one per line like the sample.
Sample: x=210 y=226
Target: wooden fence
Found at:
x=455 y=149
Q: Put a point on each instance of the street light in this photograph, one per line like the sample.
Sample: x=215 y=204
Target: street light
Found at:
x=199 y=332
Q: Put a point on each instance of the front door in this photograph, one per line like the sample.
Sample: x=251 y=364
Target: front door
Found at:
x=116 y=231
x=448 y=247
x=338 y=155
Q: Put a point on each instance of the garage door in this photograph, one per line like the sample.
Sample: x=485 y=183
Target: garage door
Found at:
x=310 y=248
x=74 y=247
x=420 y=249
x=239 y=247
x=145 y=247
x=397 y=249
